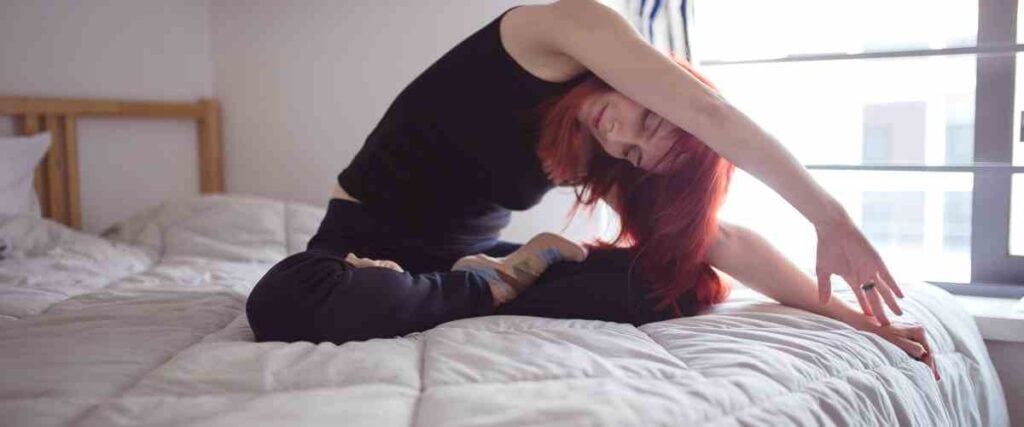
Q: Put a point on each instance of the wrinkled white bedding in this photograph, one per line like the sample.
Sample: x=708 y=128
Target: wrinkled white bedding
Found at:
x=148 y=327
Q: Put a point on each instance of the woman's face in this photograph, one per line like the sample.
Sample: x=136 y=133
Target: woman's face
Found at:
x=627 y=130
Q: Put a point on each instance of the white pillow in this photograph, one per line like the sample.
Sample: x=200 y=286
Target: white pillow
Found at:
x=19 y=156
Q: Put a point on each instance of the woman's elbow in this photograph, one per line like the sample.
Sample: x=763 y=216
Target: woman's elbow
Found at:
x=729 y=241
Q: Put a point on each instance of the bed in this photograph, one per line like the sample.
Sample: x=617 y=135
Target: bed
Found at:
x=145 y=325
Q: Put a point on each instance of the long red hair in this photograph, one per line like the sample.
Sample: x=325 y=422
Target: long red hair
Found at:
x=667 y=220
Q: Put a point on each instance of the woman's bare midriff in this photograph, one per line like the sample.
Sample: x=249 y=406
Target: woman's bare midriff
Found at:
x=340 y=193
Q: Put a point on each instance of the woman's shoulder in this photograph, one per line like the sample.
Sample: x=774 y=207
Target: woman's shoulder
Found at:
x=528 y=34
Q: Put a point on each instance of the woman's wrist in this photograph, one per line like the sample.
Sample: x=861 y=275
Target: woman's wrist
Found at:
x=830 y=215
x=838 y=310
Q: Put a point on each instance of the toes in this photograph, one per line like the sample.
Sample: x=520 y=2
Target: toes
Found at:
x=474 y=262
x=567 y=249
x=576 y=253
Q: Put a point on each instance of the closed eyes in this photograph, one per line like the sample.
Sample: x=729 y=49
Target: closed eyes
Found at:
x=651 y=123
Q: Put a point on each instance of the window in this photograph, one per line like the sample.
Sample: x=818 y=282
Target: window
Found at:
x=900 y=109
x=960 y=131
x=905 y=127
x=894 y=218
x=877 y=143
x=956 y=222
x=959 y=144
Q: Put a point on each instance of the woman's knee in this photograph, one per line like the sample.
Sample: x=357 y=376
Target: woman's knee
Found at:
x=298 y=300
x=274 y=306
x=367 y=303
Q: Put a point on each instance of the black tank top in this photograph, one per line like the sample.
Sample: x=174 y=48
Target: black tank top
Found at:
x=455 y=151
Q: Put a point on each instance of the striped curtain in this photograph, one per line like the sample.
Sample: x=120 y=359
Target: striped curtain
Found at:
x=666 y=24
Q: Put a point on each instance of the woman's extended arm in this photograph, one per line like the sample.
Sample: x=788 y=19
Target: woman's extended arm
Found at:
x=605 y=43
x=749 y=258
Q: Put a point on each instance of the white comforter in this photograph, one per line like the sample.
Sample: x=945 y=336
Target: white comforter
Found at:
x=148 y=327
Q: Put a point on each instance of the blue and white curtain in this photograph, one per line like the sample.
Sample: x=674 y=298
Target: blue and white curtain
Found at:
x=666 y=24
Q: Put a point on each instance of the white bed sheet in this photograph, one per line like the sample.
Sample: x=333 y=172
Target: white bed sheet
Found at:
x=148 y=327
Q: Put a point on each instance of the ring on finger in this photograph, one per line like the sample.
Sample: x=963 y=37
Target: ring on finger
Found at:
x=867 y=286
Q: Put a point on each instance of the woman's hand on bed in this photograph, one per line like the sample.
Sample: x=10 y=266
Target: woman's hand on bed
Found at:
x=844 y=251
x=910 y=337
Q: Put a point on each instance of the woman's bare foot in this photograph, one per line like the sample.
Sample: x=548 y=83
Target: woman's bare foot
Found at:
x=512 y=274
x=358 y=262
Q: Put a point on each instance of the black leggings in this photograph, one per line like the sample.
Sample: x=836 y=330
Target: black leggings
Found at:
x=317 y=296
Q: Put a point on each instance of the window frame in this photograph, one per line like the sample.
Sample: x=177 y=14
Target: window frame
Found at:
x=994 y=270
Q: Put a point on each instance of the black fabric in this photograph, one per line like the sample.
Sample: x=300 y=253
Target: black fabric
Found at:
x=455 y=151
x=317 y=296
x=352 y=227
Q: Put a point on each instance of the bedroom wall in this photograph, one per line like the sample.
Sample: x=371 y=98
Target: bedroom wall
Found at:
x=303 y=83
x=148 y=49
x=1008 y=358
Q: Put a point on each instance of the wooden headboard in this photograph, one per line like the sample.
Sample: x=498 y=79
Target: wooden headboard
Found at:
x=56 y=177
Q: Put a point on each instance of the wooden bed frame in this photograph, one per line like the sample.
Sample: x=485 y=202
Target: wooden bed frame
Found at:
x=56 y=177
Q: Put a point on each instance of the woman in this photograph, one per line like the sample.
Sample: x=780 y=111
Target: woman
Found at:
x=558 y=94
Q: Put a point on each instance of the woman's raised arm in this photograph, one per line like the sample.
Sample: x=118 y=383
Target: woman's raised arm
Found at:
x=602 y=41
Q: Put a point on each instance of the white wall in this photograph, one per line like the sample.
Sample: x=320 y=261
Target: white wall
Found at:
x=1008 y=357
x=303 y=83
x=145 y=49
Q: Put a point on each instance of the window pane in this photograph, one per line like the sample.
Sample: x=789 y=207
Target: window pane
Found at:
x=1017 y=215
x=878 y=111
x=1020 y=22
x=748 y=29
x=919 y=221
x=893 y=218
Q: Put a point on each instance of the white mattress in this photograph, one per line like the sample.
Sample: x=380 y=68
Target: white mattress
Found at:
x=148 y=327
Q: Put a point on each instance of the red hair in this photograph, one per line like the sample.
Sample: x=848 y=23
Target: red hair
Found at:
x=668 y=220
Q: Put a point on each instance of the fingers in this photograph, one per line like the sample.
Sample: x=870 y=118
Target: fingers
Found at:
x=875 y=301
x=887 y=295
x=358 y=262
x=912 y=339
x=929 y=359
x=863 y=301
x=917 y=334
x=912 y=348
x=390 y=264
x=887 y=277
x=865 y=305
x=824 y=286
